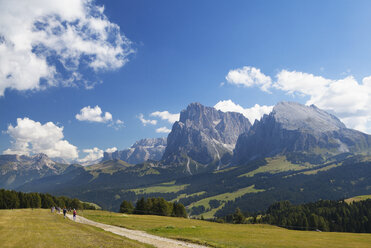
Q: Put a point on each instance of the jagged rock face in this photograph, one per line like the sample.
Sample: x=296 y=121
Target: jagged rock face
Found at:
x=293 y=127
x=204 y=135
x=141 y=151
x=15 y=170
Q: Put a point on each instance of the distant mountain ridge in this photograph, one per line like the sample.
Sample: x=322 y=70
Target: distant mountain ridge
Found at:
x=15 y=170
x=141 y=151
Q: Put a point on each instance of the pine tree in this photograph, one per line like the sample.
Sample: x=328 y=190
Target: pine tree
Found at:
x=238 y=217
x=126 y=207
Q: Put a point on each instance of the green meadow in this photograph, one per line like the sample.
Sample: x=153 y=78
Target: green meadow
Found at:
x=223 y=198
x=167 y=187
x=229 y=235
x=358 y=198
x=276 y=165
x=40 y=228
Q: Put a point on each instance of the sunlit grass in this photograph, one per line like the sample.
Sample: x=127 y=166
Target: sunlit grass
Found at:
x=162 y=188
x=229 y=235
x=277 y=165
x=358 y=198
x=40 y=228
x=231 y=196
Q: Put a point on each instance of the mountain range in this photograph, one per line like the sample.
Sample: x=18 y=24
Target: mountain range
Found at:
x=141 y=151
x=214 y=161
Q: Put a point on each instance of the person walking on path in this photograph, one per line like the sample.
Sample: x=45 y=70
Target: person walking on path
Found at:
x=74 y=214
x=64 y=212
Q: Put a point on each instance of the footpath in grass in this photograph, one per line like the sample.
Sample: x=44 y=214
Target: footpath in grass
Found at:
x=229 y=235
x=40 y=228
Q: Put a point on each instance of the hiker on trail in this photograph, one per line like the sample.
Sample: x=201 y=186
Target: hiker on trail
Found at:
x=64 y=212
x=74 y=214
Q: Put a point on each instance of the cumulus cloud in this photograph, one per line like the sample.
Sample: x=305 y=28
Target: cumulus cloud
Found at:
x=163 y=130
x=93 y=115
x=165 y=115
x=300 y=82
x=44 y=43
x=94 y=155
x=117 y=124
x=145 y=122
x=248 y=76
x=110 y=150
x=30 y=137
x=253 y=113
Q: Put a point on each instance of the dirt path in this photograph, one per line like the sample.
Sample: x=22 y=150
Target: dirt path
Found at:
x=138 y=235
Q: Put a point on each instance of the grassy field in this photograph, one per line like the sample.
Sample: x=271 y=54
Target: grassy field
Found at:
x=183 y=196
x=229 y=235
x=326 y=168
x=40 y=228
x=276 y=165
x=168 y=187
x=224 y=198
x=358 y=198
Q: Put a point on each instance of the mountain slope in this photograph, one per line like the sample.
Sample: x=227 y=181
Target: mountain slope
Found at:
x=292 y=127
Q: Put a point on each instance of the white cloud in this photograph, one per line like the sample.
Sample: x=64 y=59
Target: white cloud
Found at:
x=116 y=124
x=248 y=76
x=93 y=156
x=110 y=150
x=299 y=82
x=163 y=130
x=253 y=113
x=36 y=37
x=93 y=115
x=165 y=115
x=145 y=122
x=30 y=137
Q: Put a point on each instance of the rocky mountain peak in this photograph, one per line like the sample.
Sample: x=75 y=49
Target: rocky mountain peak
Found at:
x=293 y=127
x=295 y=116
x=203 y=134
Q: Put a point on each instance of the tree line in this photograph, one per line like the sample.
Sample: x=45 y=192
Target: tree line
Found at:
x=154 y=206
x=323 y=215
x=10 y=199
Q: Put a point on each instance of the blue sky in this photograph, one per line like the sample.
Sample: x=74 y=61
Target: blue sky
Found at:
x=169 y=54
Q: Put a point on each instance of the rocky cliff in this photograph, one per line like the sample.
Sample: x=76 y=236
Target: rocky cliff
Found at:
x=203 y=135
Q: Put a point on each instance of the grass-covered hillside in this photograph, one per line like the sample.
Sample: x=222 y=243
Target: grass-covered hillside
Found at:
x=229 y=235
x=40 y=228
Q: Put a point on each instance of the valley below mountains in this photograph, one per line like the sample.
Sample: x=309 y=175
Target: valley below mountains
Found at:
x=214 y=162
